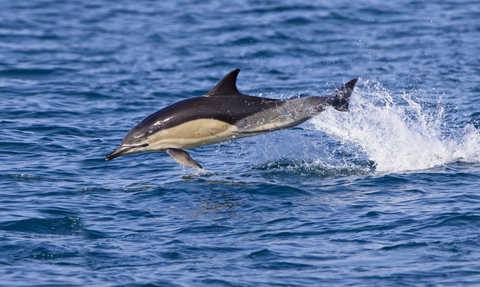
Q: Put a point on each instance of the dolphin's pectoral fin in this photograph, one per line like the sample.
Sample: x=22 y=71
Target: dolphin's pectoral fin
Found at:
x=183 y=158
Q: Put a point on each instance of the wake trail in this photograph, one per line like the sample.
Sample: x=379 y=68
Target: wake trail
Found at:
x=400 y=133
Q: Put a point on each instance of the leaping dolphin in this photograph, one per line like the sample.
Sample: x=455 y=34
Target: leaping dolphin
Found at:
x=223 y=114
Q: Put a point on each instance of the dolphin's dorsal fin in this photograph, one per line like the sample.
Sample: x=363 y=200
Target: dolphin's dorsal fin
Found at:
x=227 y=86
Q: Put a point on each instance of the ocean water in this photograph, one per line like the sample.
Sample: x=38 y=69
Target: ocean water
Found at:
x=384 y=195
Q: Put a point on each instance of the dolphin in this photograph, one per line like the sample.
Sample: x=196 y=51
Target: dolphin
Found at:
x=222 y=114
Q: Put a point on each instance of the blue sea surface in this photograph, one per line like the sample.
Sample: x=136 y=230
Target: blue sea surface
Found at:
x=387 y=194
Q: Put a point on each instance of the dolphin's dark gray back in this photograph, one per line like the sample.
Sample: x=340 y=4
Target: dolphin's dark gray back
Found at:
x=229 y=109
x=225 y=103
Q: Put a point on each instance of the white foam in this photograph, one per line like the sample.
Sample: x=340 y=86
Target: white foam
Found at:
x=399 y=133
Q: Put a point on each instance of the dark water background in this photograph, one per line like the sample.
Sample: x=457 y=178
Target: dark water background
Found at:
x=385 y=195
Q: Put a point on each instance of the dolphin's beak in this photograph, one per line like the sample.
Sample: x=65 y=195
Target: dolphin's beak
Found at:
x=118 y=152
x=123 y=150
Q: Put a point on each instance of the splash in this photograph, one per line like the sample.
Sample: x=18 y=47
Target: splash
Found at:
x=400 y=133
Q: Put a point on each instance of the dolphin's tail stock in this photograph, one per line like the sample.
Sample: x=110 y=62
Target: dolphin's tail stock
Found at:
x=341 y=97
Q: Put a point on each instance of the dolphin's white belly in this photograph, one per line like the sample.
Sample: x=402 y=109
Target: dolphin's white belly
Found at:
x=192 y=134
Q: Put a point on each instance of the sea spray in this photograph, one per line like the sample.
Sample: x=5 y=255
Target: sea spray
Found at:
x=400 y=133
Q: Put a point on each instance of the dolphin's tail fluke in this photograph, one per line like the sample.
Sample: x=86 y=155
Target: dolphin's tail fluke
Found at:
x=341 y=97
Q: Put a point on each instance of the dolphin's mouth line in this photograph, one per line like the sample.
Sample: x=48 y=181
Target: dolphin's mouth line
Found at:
x=136 y=145
x=123 y=150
